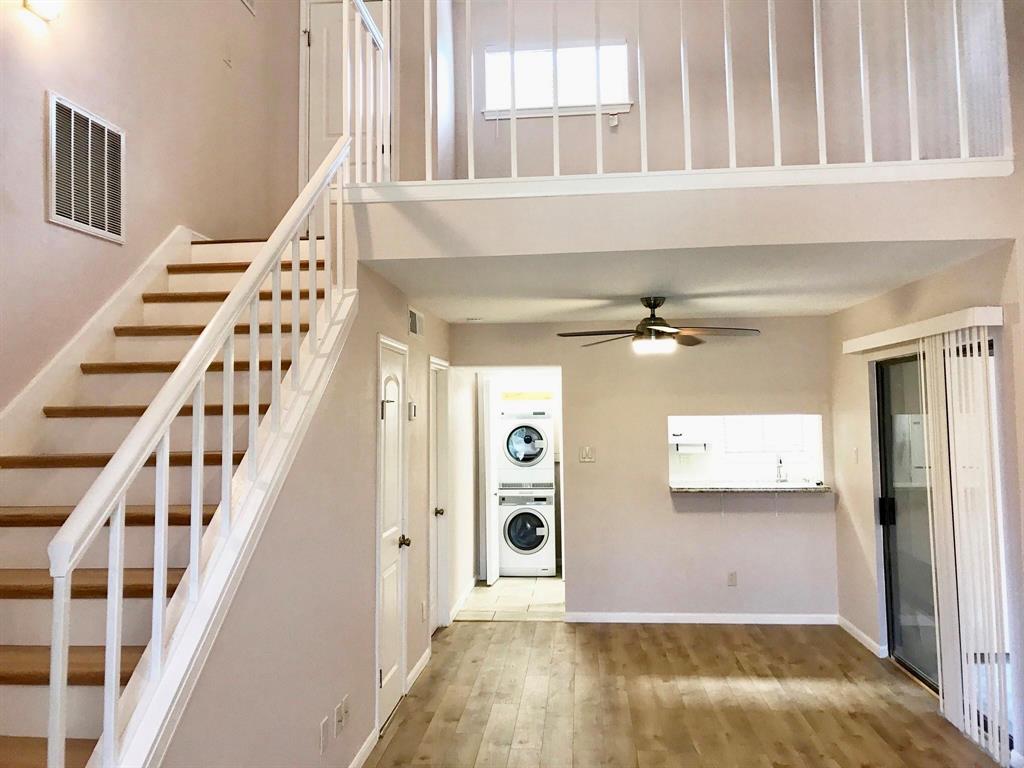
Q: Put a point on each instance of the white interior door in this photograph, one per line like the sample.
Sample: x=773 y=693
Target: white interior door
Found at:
x=440 y=607
x=325 y=124
x=489 y=524
x=392 y=544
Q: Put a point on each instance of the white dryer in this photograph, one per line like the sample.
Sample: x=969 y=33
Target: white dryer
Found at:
x=527 y=534
x=524 y=447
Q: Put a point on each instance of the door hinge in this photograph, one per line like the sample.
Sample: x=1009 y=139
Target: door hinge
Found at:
x=309 y=37
x=384 y=403
x=380 y=674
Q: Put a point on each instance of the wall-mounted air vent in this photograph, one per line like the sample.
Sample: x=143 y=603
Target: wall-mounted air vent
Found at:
x=86 y=160
x=415 y=322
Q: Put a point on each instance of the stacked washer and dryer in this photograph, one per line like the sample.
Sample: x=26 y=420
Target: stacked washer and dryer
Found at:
x=523 y=433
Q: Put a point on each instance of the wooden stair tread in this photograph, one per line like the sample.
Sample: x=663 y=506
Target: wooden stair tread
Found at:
x=91 y=583
x=135 y=515
x=168 y=366
x=30 y=752
x=194 y=330
x=196 y=297
x=30 y=664
x=127 y=411
x=215 y=267
x=99 y=460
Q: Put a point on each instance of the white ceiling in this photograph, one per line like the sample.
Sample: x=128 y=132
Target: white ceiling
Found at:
x=763 y=281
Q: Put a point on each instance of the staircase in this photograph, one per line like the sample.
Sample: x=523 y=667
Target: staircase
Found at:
x=129 y=485
x=75 y=440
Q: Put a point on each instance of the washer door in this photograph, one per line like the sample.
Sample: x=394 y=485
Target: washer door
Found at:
x=525 y=531
x=525 y=445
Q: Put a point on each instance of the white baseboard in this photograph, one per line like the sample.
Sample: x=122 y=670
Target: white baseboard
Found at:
x=19 y=420
x=457 y=607
x=879 y=650
x=365 y=750
x=601 y=617
x=417 y=669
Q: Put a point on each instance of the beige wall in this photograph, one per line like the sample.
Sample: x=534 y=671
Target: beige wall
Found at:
x=300 y=633
x=631 y=546
x=206 y=94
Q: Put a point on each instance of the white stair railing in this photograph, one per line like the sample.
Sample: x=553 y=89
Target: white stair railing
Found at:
x=147 y=444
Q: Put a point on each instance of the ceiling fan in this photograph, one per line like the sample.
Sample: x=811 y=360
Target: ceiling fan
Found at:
x=654 y=335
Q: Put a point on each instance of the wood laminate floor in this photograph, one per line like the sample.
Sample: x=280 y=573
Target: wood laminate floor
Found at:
x=554 y=695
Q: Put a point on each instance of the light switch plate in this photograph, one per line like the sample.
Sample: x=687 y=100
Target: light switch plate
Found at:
x=587 y=455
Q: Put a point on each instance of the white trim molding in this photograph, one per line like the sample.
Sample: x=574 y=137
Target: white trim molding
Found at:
x=630 y=617
x=678 y=181
x=458 y=604
x=417 y=668
x=972 y=317
x=878 y=649
x=364 y=751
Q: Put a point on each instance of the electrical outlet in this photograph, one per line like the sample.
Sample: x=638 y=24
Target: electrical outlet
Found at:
x=731 y=580
x=423 y=610
x=325 y=733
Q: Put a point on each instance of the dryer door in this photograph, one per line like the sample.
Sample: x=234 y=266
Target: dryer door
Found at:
x=525 y=445
x=525 y=531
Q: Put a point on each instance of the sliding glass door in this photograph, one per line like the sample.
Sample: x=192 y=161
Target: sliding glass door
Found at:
x=903 y=514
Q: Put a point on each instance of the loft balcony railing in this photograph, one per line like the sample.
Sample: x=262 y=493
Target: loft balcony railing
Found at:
x=705 y=93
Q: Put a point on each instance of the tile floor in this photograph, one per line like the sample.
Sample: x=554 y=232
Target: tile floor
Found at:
x=516 y=599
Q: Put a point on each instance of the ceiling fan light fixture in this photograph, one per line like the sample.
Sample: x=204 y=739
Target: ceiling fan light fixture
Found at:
x=654 y=344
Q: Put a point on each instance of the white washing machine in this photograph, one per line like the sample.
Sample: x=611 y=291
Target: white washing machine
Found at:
x=525 y=447
x=527 y=534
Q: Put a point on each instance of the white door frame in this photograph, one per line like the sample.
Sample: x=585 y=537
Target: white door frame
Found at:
x=440 y=609
x=385 y=342
x=304 y=22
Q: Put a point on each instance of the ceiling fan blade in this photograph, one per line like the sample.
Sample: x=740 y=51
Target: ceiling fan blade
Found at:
x=574 y=334
x=688 y=341
x=711 y=330
x=663 y=328
x=605 y=341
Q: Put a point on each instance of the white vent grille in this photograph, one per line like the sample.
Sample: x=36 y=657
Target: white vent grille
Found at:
x=415 y=322
x=86 y=156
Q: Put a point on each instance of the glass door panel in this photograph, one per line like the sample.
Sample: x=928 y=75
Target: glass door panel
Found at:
x=903 y=513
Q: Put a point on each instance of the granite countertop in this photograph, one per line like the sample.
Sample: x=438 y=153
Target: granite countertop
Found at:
x=782 y=488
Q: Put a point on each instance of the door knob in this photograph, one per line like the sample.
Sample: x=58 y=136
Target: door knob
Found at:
x=438 y=511
x=404 y=541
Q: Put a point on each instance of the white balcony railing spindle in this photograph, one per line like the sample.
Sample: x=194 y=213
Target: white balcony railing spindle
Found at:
x=819 y=82
x=641 y=87
x=730 y=97
x=915 y=131
x=598 y=128
x=470 y=93
x=556 y=140
x=297 y=306
x=227 y=437
x=773 y=74
x=513 y=125
x=312 y=258
x=684 y=80
x=865 y=86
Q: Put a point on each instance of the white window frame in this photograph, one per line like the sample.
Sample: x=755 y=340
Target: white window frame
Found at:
x=611 y=109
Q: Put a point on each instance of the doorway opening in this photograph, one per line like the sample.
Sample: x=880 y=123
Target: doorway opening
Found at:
x=905 y=519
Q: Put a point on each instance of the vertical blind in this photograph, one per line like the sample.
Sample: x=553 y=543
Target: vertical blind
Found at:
x=965 y=501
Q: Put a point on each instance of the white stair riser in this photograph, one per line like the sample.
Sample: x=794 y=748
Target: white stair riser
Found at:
x=66 y=486
x=222 y=252
x=24 y=710
x=202 y=312
x=141 y=388
x=26 y=547
x=225 y=281
x=28 y=622
x=128 y=348
x=104 y=434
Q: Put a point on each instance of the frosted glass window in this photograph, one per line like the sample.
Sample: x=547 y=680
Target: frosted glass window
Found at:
x=577 y=78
